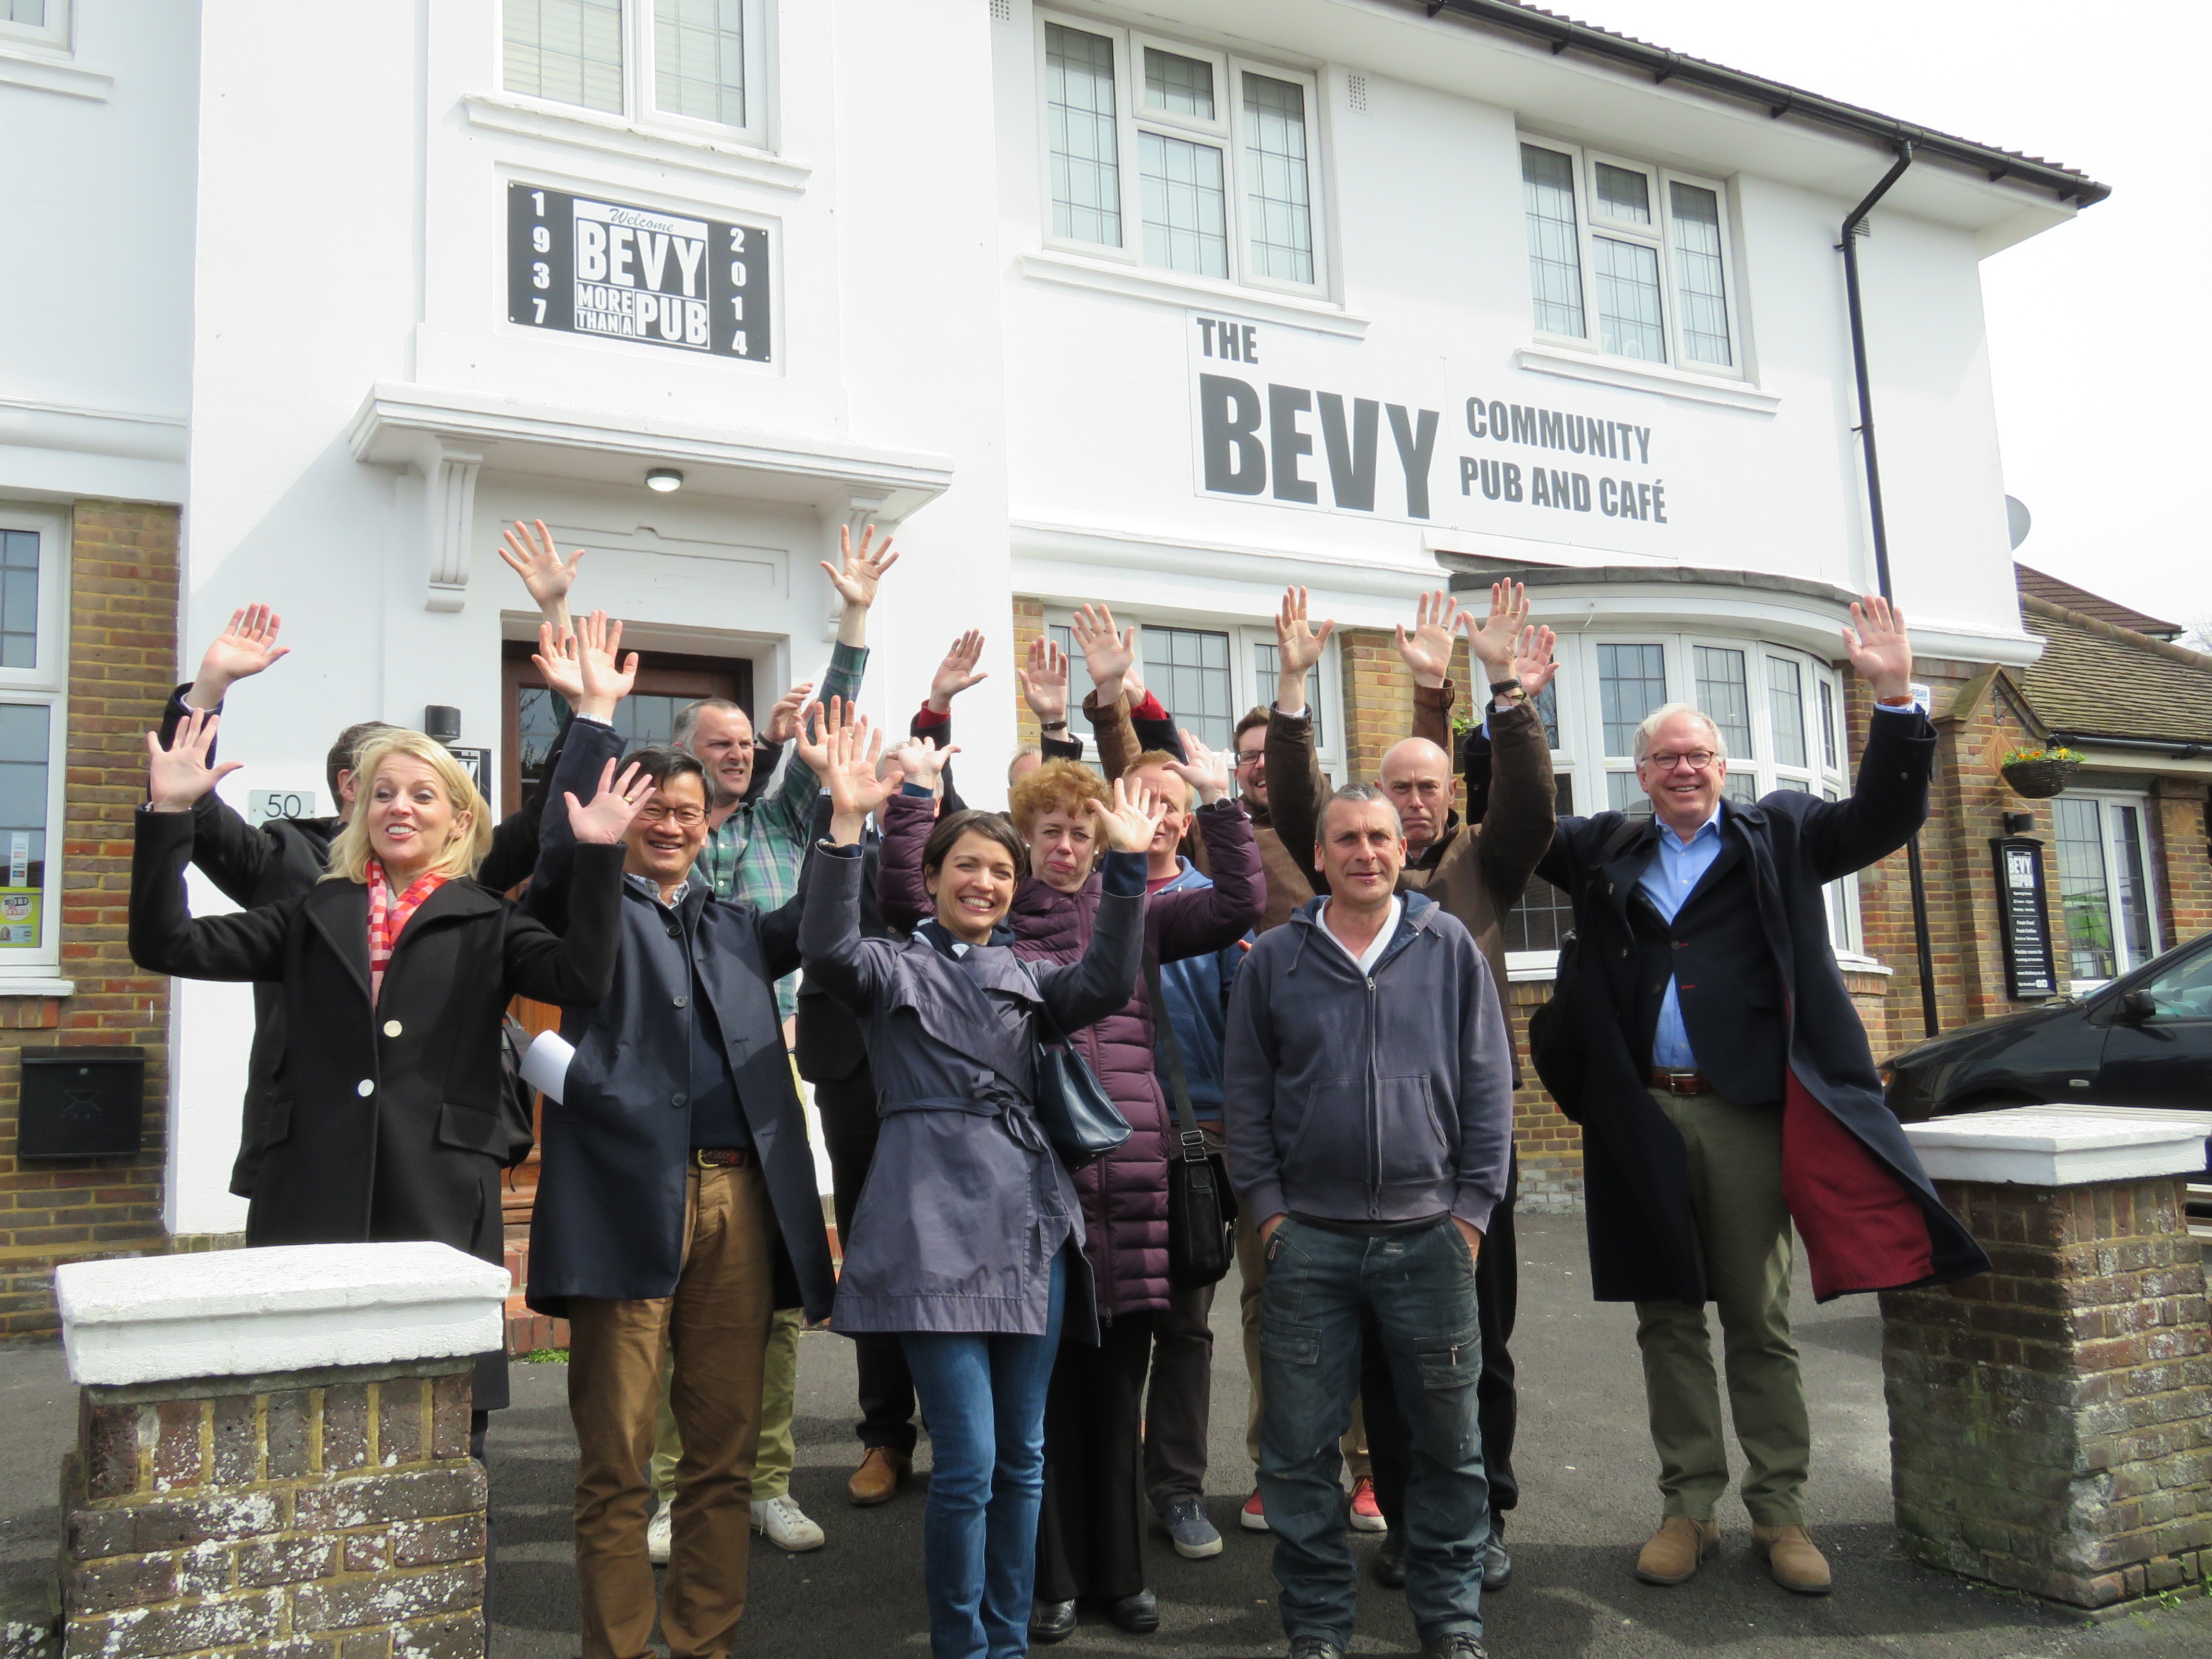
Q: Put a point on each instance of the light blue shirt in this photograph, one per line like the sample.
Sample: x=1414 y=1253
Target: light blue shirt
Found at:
x=1667 y=882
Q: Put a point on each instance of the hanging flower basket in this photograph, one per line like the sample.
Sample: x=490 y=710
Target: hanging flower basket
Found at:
x=2039 y=774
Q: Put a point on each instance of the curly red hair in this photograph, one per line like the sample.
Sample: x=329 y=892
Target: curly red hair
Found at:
x=1058 y=786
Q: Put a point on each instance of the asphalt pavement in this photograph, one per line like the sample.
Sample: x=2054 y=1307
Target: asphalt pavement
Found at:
x=1588 y=1502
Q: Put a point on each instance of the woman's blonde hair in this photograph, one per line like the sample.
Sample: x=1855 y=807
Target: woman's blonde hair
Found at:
x=472 y=836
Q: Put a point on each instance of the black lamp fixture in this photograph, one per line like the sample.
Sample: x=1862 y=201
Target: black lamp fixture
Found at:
x=2018 y=823
x=442 y=721
x=666 y=479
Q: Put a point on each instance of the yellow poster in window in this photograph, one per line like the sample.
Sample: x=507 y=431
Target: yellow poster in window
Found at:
x=19 y=918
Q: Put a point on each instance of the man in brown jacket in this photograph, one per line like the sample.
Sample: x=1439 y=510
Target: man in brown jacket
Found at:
x=1477 y=873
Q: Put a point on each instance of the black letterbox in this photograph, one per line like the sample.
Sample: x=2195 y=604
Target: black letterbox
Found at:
x=82 y=1102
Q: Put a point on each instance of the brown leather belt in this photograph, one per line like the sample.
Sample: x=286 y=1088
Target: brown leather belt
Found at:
x=1680 y=1083
x=722 y=1157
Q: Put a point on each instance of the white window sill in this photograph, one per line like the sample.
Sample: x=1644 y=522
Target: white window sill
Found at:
x=1539 y=967
x=29 y=985
x=1852 y=963
x=1644 y=376
x=613 y=135
x=1173 y=288
x=22 y=67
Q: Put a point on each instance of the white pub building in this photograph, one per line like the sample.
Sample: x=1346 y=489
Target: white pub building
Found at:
x=1167 y=305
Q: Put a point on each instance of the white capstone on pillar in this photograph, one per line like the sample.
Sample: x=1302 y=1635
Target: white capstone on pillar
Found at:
x=273 y=1453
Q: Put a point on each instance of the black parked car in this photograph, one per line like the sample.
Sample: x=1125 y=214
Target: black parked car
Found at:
x=2143 y=1040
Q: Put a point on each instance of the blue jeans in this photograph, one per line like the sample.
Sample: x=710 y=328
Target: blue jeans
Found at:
x=1420 y=1289
x=983 y=1397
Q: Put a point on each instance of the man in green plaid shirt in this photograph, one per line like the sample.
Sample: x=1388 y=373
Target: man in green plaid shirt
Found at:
x=754 y=854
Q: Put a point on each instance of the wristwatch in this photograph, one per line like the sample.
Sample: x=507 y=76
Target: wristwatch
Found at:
x=1509 y=691
x=1053 y=726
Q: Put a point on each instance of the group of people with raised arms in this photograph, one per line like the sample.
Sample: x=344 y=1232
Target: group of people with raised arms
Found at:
x=1314 y=978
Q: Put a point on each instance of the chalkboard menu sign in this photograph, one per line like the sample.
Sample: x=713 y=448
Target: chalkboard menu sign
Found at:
x=2024 y=917
x=586 y=266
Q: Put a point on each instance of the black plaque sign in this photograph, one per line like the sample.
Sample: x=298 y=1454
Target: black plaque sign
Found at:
x=2025 y=918
x=587 y=266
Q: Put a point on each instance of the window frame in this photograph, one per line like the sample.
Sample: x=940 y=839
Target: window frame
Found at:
x=1659 y=234
x=1246 y=692
x=1132 y=116
x=45 y=686
x=52 y=35
x=640 y=107
x=2103 y=800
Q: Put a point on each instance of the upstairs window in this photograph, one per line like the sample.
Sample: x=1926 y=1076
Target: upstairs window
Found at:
x=1628 y=257
x=35 y=23
x=1179 y=157
x=33 y=717
x=682 y=62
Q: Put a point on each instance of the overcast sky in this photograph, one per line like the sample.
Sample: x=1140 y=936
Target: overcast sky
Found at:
x=2097 y=330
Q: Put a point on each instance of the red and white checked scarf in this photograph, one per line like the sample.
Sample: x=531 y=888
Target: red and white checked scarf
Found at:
x=388 y=915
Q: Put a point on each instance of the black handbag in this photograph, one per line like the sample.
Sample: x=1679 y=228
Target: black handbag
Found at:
x=1078 y=1117
x=1200 y=1204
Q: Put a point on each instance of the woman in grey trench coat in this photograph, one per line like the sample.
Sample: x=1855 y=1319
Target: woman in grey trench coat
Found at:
x=967 y=1241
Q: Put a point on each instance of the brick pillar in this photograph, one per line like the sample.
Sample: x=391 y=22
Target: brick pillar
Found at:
x=2051 y=1420
x=1028 y=623
x=305 y=1487
x=2181 y=826
x=1378 y=699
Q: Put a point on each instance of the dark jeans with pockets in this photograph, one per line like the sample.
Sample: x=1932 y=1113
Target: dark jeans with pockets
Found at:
x=1419 y=1289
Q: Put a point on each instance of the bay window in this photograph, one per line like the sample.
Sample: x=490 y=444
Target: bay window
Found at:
x=1628 y=257
x=33 y=683
x=1177 y=156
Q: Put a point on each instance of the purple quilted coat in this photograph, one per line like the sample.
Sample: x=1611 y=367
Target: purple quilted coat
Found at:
x=1124 y=1193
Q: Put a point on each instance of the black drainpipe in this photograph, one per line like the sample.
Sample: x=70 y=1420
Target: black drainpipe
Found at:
x=1850 y=248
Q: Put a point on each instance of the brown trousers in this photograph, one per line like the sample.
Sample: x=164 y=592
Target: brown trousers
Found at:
x=717 y=1325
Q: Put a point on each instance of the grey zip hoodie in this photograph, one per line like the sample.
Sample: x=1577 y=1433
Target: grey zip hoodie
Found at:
x=1359 y=1097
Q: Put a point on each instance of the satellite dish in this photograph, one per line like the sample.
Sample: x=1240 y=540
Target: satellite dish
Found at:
x=2016 y=516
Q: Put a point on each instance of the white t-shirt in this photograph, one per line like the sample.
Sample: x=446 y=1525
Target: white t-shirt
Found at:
x=1366 y=959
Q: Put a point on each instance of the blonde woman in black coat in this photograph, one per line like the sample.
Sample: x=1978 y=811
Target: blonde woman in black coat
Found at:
x=396 y=968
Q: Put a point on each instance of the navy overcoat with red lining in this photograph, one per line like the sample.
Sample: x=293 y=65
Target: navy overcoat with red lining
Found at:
x=1868 y=1216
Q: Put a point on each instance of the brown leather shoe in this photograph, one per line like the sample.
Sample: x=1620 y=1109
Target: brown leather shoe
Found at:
x=876 y=1480
x=1791 y=1557
x=1678 y=1549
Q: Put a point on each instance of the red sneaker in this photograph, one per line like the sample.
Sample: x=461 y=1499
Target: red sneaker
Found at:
x=1366 y=1513
x=1253 y=1518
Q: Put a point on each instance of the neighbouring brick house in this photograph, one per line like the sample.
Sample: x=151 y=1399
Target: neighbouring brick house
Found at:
x=89 y=617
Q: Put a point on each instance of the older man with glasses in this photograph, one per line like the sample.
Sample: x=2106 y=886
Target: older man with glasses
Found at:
x=1725 y=1090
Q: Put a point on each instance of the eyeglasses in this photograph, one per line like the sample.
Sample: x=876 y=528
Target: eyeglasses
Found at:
x=684 y=817
x=1696 y=759
x=1250 y=756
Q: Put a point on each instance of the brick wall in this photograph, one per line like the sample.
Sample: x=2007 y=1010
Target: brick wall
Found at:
x=336 y=1517
x=2181 y=853
x=123 y=652
x=1028 y=623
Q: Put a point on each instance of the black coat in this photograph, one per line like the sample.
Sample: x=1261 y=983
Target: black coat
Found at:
x=283 y=859
x=1868 y=1216
x=387 y=1125
x=608 y=1219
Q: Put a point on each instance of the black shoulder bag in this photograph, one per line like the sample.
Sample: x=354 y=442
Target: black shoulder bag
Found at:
x=1078 y=1117
x=1200 y=1205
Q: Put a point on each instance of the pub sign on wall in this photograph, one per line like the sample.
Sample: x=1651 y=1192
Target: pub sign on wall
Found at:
x=587 y=266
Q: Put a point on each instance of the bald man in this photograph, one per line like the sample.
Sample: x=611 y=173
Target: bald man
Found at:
x=1477 y=872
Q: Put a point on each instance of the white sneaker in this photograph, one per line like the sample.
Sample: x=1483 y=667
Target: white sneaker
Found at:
x=785 y=1525
x=657 y=1532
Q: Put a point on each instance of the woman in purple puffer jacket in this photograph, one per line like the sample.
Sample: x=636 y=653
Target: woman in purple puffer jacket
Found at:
x=1090 y=1535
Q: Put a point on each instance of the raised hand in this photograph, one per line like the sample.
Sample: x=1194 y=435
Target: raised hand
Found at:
x=958 y=672
x=555 y=657
x=1133 y=819
x=179 y=774
x=244 y=649
x=1206 y=771
x=783 y=719
x=1428 y=649
x=1297 y=648
x=922 y=762
x=844 y=753
x=1495 y=640
x=604 y=685
x=860 y=573
x=1881 y=651
x=1133 y=677
x=528 y=550
x=1044 y=682
x=1532 y=662
x=603 y=820
x=1109 y=655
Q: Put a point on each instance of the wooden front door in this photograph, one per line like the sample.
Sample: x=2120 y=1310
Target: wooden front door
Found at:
x=532 y=713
